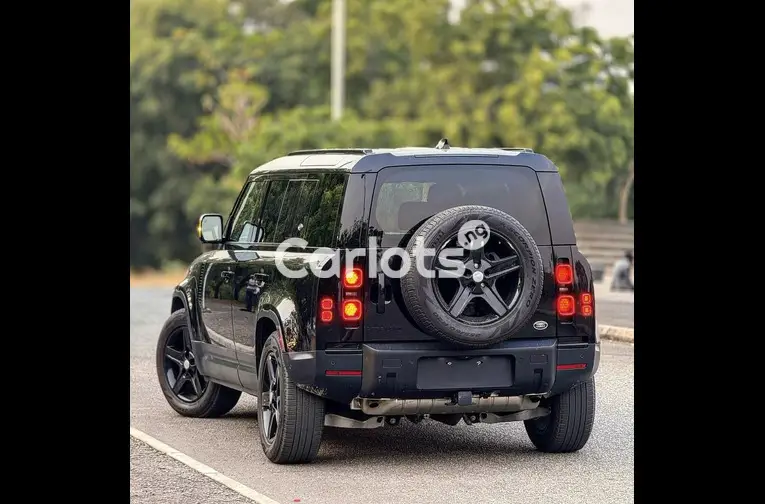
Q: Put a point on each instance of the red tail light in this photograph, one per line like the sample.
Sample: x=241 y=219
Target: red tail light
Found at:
x=565 y=305
x=585 y=301
x=353 y=278
x=351 y=310
x=342 y=372
x=326 y=304
x=564 y=275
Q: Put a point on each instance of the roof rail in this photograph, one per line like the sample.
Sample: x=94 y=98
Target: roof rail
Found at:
x=520 y=149
x=330 y=151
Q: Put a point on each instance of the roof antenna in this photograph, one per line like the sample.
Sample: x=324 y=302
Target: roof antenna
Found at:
x=443 y=144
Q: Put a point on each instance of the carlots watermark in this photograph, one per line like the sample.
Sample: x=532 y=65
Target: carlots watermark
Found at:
x=326 y=262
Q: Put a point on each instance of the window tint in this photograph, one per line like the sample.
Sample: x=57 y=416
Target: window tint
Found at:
x=272 y=209
x=296 y=205
x=406 y=196
x=321 y=216
x=245 y=227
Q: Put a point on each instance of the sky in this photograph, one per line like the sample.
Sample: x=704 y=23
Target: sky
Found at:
x=612 y=18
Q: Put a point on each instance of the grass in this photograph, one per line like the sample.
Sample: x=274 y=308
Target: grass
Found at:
x=163 y=278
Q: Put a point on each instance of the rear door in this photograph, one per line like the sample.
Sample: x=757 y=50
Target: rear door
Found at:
x=404 y=197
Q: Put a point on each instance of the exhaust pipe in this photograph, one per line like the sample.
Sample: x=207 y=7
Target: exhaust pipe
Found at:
x=444 y=406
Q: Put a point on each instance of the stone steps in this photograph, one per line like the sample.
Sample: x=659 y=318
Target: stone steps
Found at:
x=604 y=242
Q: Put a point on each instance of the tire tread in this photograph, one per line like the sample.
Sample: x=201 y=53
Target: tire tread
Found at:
x=303 y=421
x=572 y=416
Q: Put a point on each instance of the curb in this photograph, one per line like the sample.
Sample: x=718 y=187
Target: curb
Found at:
x=613 y=333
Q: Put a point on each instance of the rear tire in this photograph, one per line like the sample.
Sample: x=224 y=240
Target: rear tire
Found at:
x=300 y=421
x=215 y=401
x=568 y=426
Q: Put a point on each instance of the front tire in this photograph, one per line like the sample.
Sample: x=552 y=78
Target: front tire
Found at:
x=568 y=426
x=186 y=390
x=290 y=420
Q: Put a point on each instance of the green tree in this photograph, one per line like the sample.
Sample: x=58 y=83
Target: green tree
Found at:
x=219 y=87
x=166 y=84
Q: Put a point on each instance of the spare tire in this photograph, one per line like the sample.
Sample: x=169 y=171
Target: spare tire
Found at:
x=501 y=286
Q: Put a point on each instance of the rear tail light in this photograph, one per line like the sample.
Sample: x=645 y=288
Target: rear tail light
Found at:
x=569 y=297
x=585 y=303
x=351 y=295
x=353 y=278
x=327 y=314
x=566 y=305
x=564 y=274
x=351 y=310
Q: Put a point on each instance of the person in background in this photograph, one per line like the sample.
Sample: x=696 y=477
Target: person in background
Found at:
x=622 y=272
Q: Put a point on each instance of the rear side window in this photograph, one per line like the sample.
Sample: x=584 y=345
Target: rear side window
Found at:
x=304 y=208
x=295 y=205
x=406 y=196
x=272 y=209
x=321 y=216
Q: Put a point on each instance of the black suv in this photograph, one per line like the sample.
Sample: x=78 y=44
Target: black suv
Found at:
x=329 y=295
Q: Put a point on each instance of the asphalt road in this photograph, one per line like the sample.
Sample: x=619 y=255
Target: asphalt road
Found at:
x=425 y=463
x=157 y=478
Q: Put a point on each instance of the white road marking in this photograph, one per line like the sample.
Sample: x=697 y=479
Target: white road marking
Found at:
x=211 y=473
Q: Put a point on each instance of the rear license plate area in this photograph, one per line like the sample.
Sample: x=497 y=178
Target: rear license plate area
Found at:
x=450 y=373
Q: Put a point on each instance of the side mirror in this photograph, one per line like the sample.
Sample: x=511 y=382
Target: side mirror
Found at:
x=210 y=228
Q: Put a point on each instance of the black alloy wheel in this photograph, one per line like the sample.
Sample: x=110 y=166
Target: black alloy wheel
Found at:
x=490 y=286
x=270 y=400
x=180 y=367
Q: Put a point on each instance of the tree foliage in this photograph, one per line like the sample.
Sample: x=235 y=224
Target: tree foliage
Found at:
x=219 y=87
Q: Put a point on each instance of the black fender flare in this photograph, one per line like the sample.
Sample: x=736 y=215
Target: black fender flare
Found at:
x=301 y=371
x=181 y=294
x=269 y=312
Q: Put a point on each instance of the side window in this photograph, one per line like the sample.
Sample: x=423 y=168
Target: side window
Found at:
x=303 y=208
x=272 y=209
x=298 y=201
x=246 y=228
x=320 y=221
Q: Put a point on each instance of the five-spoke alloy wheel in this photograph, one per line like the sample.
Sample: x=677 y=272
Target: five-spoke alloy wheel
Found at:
x=499 y=290
x=488 y=289
x=185 y=387
x=181 y=368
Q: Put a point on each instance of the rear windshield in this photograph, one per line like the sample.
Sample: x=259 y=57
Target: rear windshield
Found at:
x=405 y=196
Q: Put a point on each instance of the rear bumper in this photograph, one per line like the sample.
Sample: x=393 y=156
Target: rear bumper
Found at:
x=428 y=370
